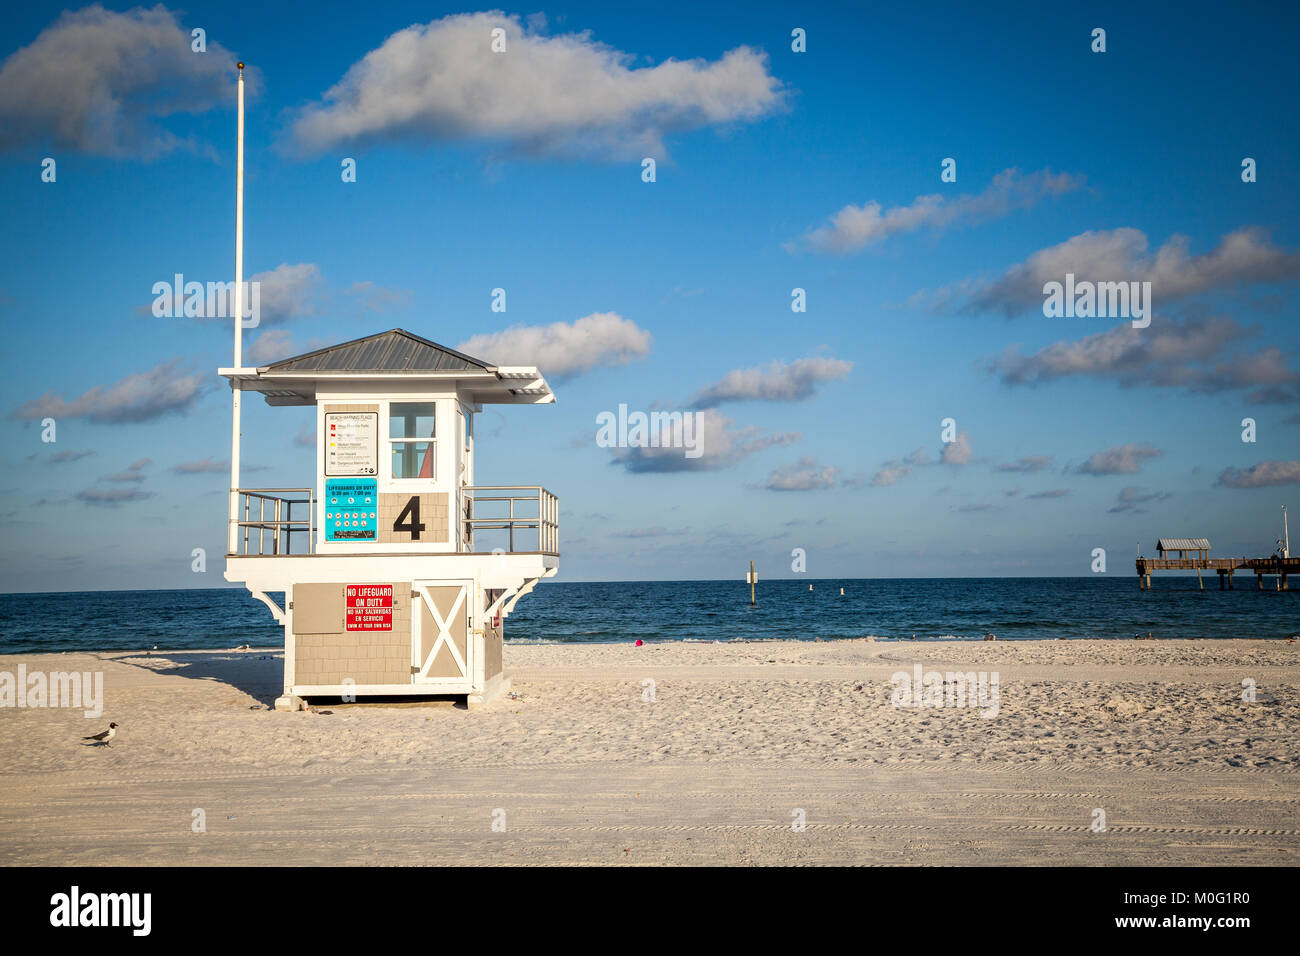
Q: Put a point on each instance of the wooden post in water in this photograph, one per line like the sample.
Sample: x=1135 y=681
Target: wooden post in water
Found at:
x=751 y=583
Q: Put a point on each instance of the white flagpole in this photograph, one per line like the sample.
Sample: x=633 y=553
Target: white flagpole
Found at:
x=239 y=320
x=1286 y=536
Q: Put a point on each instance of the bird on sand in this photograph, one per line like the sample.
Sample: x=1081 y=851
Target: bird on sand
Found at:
x=104 y=736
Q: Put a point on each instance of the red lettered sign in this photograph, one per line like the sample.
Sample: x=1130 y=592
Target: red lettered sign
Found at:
x=370 y=607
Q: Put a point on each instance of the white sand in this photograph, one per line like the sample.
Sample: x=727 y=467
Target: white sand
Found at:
x=1154 y=733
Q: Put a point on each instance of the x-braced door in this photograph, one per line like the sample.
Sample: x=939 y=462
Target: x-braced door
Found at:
x=441 y=648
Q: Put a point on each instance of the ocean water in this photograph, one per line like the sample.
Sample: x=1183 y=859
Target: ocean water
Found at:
x=930 y=609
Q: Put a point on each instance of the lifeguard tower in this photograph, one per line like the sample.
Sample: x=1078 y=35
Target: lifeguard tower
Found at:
x=397 y=569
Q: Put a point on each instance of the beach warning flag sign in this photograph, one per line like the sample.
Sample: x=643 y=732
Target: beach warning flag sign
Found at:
x=369 y=607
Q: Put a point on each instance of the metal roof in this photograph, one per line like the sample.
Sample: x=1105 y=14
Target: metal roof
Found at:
x=1183 y=544
x=393 y=351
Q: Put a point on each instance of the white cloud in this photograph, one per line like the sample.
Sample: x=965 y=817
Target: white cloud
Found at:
x=1121 y=255
x=566 y=94
x=777 y=382
x=890 y=473
x=803 y=475
x=957 y=452
x=98 y=81
x=1262 y=475
x=287 y=292
x=918 y=457
x=1120 y=460
x=854 y=227
x=1191 y=355
x=1027 y=464
x=112 y=497
x=1130 y=497
x=274 y=345
x=71 y=455
x=205 y=466
x=721 y=446
x=141 y=397
x=563 y=349
x=896 y=469
x=133 y=473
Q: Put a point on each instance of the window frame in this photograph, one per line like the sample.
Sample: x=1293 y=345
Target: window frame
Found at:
x=392 y=441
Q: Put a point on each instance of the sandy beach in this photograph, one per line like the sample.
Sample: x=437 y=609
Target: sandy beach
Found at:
x=676 y=754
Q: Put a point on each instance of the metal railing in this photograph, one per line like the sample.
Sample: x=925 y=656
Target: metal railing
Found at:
x=280 y=525
x=509 y=518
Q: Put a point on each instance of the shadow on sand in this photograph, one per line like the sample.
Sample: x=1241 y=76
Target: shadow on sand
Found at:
x=259 y=673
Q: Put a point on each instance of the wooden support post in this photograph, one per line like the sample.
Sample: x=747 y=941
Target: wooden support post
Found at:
x=1231 y=587
x=1220 y=579
x=1282 y=582
x=1259 y=581
x=1199 y=582
x=751 y=583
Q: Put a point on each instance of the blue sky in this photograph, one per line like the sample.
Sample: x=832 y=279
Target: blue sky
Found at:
x=1075 y=433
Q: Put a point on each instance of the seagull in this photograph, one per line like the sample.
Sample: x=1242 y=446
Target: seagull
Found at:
x=104 y=736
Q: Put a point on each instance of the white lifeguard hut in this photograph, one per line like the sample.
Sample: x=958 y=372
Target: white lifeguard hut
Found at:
x=397 y=569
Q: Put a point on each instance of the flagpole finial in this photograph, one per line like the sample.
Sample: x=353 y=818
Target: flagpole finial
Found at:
x=241 y=67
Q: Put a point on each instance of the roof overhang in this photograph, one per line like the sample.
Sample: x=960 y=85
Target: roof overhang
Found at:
x=507 y=385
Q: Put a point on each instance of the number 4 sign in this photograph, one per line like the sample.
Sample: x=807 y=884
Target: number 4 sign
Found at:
x=409 y=519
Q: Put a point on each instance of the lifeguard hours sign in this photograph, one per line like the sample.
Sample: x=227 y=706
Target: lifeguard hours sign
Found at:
x=350 y=509
x=369 y=607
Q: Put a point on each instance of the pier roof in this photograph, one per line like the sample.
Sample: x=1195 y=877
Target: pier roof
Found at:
x=1183 y=544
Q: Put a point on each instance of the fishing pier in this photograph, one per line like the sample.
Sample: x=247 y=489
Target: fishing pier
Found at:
x=1281 y=565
